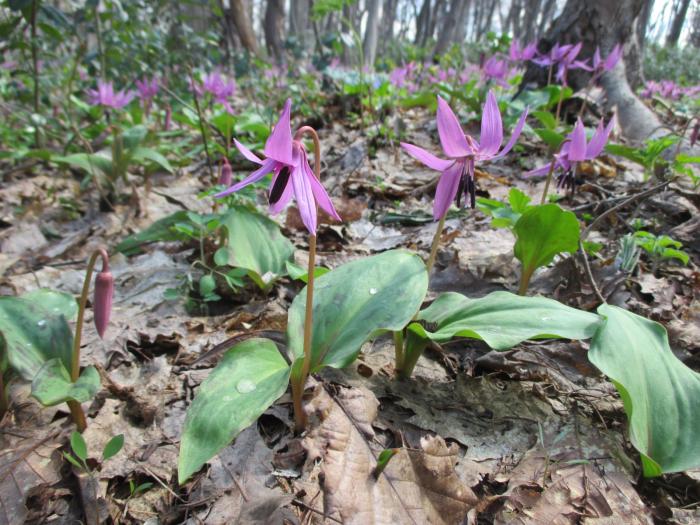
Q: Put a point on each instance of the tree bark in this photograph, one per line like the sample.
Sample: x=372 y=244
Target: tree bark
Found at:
x=449 y=25
x=299 y=21
x=601 y=23
x=677 y=26
x=532 y=9
x=273 y=26
x=422 y=23
x=369 y=45
x=244 y=29
x=547 y=14
x=387 y=24
x=634 y=50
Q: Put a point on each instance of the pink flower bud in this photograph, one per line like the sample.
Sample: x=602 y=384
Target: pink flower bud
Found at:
x=695 y=133
x=102 y=303
x=168 y=118
x=226 y=176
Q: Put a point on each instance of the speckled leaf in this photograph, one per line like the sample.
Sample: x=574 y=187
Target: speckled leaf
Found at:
x=52 y=384
x=660 y=394
x=249 y=378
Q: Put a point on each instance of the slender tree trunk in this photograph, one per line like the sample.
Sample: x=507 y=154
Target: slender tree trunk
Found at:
x=634 y=50
x=677 y=26
x=273 y=26
x=532 y=9
x=299 y=25
x=387 y=24
x=449 y=26
x=461 y=20
x=488 y=17
x=422 y=23
x=244 y=28
x=694 y=38
x=369 y=46
x=547 y=14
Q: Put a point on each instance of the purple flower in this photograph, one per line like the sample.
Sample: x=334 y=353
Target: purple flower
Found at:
x=102 y=302
x=148 y=89
x=105 y=96
x=496 y=70
x=463 y=151
x=398 y=76
x=286 y=159
x=600 y=66
x=219 y=87
x=575 y=150
x=553 y=56
x=518 y=54
x=568 y=61
x=226 y=174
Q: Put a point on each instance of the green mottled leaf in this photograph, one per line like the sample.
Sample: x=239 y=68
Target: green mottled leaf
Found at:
x=113 y=447
x=160 y=231
x=55 y=302
x=352 y=302
x=256 y=243
x=249 y=378
x=52 y=384
x=31 y=334
x=502 y=319
x=78 y=445
x=660 y=394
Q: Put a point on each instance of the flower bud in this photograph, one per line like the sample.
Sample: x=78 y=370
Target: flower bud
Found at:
x=226 y=176
x=695 y=133
x=102 y=303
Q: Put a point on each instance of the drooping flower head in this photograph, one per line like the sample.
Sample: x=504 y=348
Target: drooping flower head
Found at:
x=600 y=66
x=463 y=152
x=522 y=54
x=496 y=70
x=105 y=96
x=575 y=150
x=148 y=89
x=569 y=61
x=219 y=87
x=287 y=160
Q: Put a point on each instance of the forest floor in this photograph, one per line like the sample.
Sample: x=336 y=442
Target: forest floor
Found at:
x=531 y=435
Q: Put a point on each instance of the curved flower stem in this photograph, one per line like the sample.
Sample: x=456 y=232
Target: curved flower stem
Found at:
x=298 y=385
x=551 y=172
x=75 y=408
x=436 y=242
x=202 y=131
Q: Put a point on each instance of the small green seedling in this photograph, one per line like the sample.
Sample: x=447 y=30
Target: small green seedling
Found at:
x=80 y=456
x=660 y=249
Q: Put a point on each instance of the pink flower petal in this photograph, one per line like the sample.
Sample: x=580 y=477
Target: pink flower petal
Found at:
x=514 y=137
x=279 y=144
x=305 y=199
x=252 y=157
x=446 y=190
x=599 y=139
x=319 y=192
x=267 y=166
x=577 y=148
x=284 y=199
x=491 y=127
x=426 y=157
x=451 y=135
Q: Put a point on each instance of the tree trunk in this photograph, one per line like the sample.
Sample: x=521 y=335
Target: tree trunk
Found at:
x=387 y=25
x=462 y=16
x=532 y=9
x=489 y=17
x=369 y=46
x=449 y=26
x=241 y=21
x=299 y=21
x=634 y=50
x=547 y=14
x=694 y=38
x=273 y=26
x=677 y=26
x=422 y=23
x=601 y=23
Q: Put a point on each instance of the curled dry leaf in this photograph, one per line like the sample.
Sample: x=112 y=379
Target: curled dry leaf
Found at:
x=417 y=486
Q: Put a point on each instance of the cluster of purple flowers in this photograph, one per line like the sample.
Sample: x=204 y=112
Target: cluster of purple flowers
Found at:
x=105 y=96
x=668 y=89
x=220 y=88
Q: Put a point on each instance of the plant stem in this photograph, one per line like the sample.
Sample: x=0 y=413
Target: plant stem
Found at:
x=561 y=99
x=201 y=126
x=35 y=67
x=100 y=48
x=4 y=404
x=525 y=281
x=436 y=243
x=75 y=407
x=298 y=388
x=398 y=350
x=547 y=183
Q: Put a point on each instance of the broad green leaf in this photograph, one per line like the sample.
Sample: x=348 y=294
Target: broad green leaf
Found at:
x=133 y=137
x=546 y=118
x=628 y=152
x=502 y=319
x=660 y=394
x=31 y=334
x=159 y=231
x=96 y=164
x=113 y=447
x=250 y=377
x=256 y=243
x=78 y=445
x=550 y=137
x=382 y=292
x=543 y=232
x=55 y=302
x=298 y=272
x=52 y=384
x=141 y=154
x=518 y=200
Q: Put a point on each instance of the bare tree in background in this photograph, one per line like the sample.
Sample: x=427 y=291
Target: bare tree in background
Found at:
x=369 y=45
x=635 y=46
x=299 y=20
x=386 y=27
x=273 y=25
x=602 y=23
x=679 y=16
x=452 y=17
x=694 y=37
x=244 y=27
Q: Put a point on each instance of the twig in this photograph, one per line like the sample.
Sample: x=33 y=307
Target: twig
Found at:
x=589 y=273
x=624 y=203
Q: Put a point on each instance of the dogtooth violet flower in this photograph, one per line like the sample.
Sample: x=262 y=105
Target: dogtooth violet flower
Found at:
x=104 y=95
x=148 y=89
x=102 y=302
x=463 y=152
x=286 y=159
x=575 y=150
x=601 y=65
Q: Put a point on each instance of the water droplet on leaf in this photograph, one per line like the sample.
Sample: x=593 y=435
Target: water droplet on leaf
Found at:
x=372 y=291
x=245 y=386
x=41 y=323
